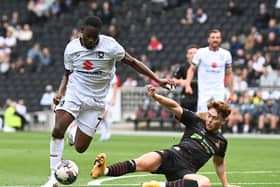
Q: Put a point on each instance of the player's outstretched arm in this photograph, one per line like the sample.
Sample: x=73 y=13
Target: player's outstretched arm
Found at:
x=220 y=167
x=168 y=103
x=143 y=69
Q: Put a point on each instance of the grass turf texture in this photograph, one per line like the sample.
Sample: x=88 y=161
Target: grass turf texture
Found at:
x=24 y=159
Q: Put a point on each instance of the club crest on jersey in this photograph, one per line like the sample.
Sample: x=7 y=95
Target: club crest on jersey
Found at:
x=100 y=54
x=87 y=65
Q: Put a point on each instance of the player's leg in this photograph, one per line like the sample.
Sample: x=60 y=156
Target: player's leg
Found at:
x=189 y=180
x=87 y=122
x=62 y=121
x=147 y=162
x=202 y=181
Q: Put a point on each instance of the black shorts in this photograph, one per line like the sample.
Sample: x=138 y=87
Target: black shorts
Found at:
x=173 y=166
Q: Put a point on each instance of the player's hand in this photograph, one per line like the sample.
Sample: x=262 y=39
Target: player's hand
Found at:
x=57 y=99
x=151 y=90
x=188 y=89
x=168 y=84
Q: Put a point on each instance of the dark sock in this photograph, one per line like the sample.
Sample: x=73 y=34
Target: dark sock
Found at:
x=121 y=168
x=182 y=183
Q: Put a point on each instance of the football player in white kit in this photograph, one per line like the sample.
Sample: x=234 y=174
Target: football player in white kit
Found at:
x=89 y=63
x=213 y=63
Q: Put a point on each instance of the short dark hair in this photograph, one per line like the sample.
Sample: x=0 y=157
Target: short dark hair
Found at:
x=214 y=31
x=93 y=21
x=191 y=46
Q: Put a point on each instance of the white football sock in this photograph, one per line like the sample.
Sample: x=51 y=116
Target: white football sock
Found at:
x=106 y=171
x=56 y=151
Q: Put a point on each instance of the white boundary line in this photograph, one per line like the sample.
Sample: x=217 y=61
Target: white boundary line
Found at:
x=98 y=182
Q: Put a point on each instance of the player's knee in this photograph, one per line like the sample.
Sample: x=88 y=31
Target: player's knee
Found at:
x=204 y=182
x=80 y=148
x=58 y=133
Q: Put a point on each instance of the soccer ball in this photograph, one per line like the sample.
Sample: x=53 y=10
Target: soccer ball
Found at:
x=66 y=172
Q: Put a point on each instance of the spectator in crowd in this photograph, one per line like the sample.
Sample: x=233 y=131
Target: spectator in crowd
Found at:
x=18 y=65
x=234 y=45
x=26 y=33
x=240 y=60
x=239 y=83
x=10 y=41
x=233 y=9
x=46 y=58
x=144 y=58
x=262 y=18
x=12 y=121
x=4 y=63
x=272 y=43
x=56 y=9
x=189 y=17
x=277 y=80
x=259 y=43
x=248 y=110
x=201 y=17
x=47 y=98
x=107 y=14
x=21 y=110
x=255 y=69
x=94 y=9
x=269 y=115
x=154 y=44
x=272 y=27
x=15 y=19
x=41 y=10
x=249 y=43
x=129 y=82
x=235 y=118
x=268 y=77
x=33 y=58
x=112 y=31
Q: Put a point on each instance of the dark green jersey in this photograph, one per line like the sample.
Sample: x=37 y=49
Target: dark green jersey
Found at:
x=197 y=144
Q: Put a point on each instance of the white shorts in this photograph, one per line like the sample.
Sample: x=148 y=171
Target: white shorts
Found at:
x=203 y=100
x=86 y=111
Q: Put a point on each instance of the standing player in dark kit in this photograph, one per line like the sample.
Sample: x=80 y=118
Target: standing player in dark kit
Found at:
x=180 y=163
x=188 y=101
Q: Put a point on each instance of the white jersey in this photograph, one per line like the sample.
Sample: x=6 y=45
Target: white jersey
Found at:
x=92 y=69
x=211 y=69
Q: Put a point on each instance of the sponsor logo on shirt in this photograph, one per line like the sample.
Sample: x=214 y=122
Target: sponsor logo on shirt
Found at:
x=214 y=64
x=87 y=65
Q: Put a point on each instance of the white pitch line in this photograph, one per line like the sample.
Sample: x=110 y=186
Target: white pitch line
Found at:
x=98 y=182
x=213 y=184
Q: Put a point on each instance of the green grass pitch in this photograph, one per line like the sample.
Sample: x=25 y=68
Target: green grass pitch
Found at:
x=24 y=159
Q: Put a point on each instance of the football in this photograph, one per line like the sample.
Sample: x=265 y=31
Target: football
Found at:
x=66 y=172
